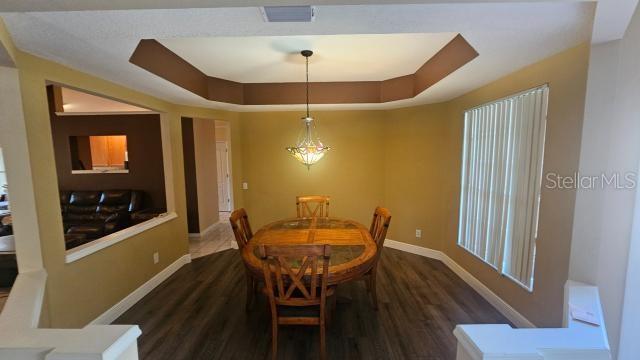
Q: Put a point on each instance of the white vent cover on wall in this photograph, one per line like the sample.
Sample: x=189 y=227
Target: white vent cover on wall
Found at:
x=288 y=13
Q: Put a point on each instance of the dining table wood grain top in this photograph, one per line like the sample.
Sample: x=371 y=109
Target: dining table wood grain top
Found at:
x=353 y=250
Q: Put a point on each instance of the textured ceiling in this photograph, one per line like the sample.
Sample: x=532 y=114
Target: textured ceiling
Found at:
x=610 y=23
x=367 y=57
x=508 y=36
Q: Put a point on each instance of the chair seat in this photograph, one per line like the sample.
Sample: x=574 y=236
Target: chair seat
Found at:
x=330 y=291
x=285 y=311
x=90 y=230
x=75 y=239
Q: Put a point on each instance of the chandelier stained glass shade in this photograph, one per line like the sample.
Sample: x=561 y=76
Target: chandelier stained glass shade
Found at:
x=308 y=149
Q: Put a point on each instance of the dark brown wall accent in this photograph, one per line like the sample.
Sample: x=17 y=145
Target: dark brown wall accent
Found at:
x=157 y=59
x=80 y=147
x=144 y=145
x=166 y=64
x=450 y=58
x=225 y=90
x=191 y=184
x=57 y=98
x=397 y=88
x=320 y=92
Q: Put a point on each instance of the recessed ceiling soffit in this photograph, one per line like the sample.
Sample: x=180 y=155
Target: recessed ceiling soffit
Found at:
x=154 y=57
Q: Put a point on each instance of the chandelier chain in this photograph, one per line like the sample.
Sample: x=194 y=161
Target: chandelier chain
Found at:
x=307 y=71
x=309 y=149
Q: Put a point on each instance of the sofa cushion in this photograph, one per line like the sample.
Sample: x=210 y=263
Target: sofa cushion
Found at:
x=85 y=198
x=144 y=215
x=74 y=240
x=80 y=215
x=91 y=231
x=94 y=214
x=64 y=197
x=64 y=201
x=137 y=198
x=106 y=210
x=115 y=197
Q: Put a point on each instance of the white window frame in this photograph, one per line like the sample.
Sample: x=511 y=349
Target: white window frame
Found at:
x=501 y=182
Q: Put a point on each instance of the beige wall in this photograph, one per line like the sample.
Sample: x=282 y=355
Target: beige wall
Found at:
x=566 y=74
x=204 y=141
x=605 y=231
x=415 y=176
x=8 y=50
x=352 y=173
x=80 y=291
x=409 y=161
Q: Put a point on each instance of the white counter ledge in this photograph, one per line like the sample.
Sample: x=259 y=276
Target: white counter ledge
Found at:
x=578 y=340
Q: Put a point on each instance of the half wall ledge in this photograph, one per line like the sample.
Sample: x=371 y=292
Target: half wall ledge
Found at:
x=578 y=340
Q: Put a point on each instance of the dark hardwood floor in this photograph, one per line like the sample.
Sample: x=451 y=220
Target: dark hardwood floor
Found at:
x=199 y=313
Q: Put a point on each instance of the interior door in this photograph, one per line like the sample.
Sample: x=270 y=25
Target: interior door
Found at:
x=222 y=158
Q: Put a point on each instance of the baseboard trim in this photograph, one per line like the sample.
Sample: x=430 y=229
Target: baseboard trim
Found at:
x=125 y=304
x=502 y=306
x=414 y=249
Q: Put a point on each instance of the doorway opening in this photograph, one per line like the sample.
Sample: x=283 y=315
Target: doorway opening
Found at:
x=207 y=170
x=223 y=162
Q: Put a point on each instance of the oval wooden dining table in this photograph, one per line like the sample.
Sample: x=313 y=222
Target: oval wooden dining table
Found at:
x=353 y=250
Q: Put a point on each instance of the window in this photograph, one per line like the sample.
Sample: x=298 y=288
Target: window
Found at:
x=501 y=180
x=99 y=154
x=108 y=203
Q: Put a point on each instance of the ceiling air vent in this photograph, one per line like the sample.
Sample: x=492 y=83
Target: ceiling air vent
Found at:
x=288 y=13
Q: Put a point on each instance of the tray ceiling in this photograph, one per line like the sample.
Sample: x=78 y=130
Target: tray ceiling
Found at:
x=259 y=59
x=508 y=36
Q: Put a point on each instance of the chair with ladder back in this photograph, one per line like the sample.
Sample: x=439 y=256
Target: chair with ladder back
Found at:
x=296 y=278
x=310 y=206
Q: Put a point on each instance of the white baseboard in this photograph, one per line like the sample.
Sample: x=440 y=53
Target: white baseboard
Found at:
x=125 y=304
x=414 y=249
x=505 y=309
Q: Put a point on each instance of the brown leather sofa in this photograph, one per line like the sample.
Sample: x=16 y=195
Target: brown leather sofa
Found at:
x=89 y=215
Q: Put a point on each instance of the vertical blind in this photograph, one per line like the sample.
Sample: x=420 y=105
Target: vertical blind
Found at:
x=501 y=180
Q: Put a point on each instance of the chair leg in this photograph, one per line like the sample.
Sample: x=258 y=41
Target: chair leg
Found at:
x=250 y=292
x=331 y=306
x=372 y=287
x=367 y=281
x=323 y=341
x=274 y=337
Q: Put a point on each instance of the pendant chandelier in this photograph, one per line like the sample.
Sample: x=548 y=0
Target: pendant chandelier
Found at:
x=309 y=149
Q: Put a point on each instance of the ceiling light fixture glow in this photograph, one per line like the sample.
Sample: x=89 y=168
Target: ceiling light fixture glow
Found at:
x=309 y=149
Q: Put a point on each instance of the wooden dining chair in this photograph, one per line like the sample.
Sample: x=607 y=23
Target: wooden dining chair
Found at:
x=242 y=231
x=309 y=206
x=292 y=288
x=378 y=230
x=241 y=228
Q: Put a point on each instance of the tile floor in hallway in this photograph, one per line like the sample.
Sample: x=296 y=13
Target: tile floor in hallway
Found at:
x=219 y=238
